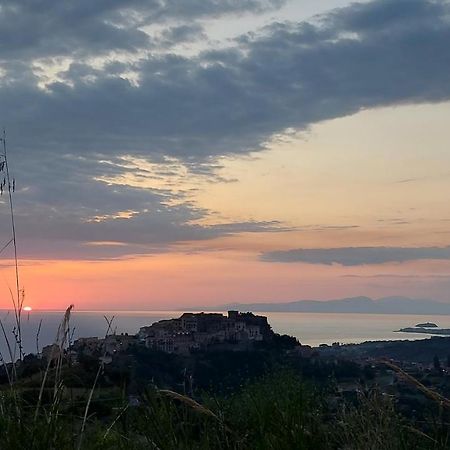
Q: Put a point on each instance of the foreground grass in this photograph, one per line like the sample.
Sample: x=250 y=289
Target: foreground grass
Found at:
x=275 y=412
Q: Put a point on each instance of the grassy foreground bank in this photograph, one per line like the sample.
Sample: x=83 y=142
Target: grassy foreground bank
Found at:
x=279 y=411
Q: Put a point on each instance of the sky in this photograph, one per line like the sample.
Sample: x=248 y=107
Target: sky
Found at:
x=198 y=152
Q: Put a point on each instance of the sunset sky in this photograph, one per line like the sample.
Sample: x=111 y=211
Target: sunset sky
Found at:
x=198 y=152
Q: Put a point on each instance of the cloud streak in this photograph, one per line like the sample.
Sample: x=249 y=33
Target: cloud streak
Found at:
x=356 y=256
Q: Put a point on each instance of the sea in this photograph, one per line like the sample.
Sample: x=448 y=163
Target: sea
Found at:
x=39 y=328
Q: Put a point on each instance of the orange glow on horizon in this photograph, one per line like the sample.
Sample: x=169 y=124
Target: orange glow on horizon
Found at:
x=171 y=281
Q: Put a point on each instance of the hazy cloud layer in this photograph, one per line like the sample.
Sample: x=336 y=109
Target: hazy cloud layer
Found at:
x=62 y=210
x=154 y=104
x=355 y=256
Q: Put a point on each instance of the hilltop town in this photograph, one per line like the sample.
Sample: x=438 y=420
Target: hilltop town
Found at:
x=204 y=331
x=190 y=333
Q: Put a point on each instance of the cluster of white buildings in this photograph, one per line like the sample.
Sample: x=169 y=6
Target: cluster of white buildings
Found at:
x=189 y=333
x=202 y=331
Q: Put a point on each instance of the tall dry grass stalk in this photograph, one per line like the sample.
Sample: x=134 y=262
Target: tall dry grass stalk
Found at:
x=19 y=297
x=94 y=385
x=59 y=347
x=193 y=405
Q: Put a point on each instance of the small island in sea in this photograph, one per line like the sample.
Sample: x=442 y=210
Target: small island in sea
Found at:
x=426 y=328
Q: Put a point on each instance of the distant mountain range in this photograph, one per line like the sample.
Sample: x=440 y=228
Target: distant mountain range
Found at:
x=363 y=305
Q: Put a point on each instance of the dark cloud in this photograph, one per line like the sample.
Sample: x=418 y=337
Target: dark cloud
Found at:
x=233 y=100
x=43 y=28
x=181 y=33
x=32 y=29
x=387 y=15
x=208 y=8
x=355 y=256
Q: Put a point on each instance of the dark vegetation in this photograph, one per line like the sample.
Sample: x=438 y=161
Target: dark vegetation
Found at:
x=267 y=398
x=419 y=351
x=281 y=411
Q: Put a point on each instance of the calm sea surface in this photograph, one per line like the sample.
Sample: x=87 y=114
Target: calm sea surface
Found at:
x=309 y=328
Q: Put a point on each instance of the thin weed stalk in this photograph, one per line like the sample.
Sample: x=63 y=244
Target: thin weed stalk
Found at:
x=94 y=385
x=10 y=351
x=18 y=301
